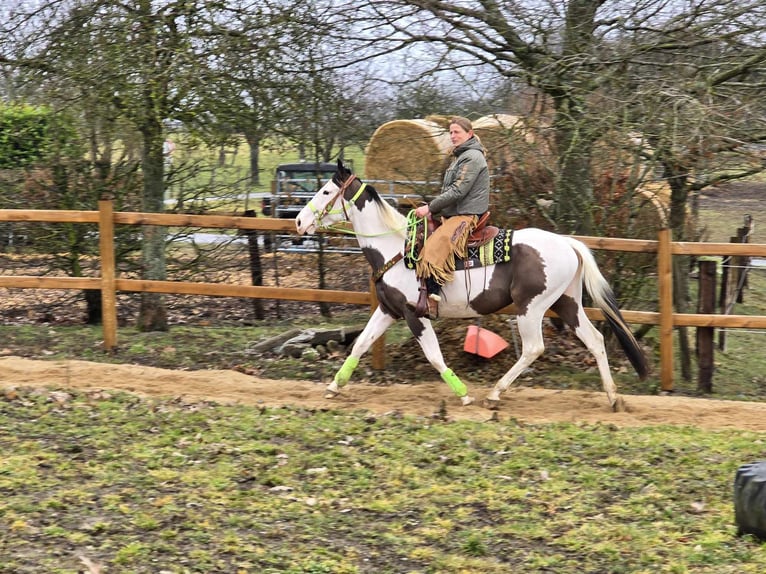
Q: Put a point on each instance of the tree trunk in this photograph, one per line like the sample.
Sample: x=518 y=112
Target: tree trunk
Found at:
x=679 y=192
x=94 y=306
x=254 y=142
x=573 y=207
x=153 y=315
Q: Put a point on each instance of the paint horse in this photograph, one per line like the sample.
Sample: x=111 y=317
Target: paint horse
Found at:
x=545 y=271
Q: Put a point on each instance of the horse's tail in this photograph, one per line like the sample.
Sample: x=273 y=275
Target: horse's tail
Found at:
x=604 y=299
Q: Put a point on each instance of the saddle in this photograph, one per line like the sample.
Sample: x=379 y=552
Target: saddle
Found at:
x=486 y=244
x=482 y=233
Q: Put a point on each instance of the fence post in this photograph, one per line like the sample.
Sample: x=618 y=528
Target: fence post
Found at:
x=724 y=297
x=108 y=295
x=256 y=268
x=665 y=287
x=742 y=262
x=706 y=335
x=379 y=346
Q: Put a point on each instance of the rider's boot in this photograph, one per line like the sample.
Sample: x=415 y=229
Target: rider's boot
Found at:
x=433 y=289
x=421 y=307
x=428 y=299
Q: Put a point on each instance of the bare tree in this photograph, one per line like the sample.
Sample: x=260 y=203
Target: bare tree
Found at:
x=143 y=62
x=574 y=53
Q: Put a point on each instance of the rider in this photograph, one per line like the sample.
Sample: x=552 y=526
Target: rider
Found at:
x=463 y=199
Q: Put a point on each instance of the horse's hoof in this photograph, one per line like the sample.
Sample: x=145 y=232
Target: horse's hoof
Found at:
x=491 y=404
x=619 y=406
x=328 y=394
x=466 y=400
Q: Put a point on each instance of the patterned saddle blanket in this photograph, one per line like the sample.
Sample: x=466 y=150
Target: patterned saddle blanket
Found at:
x=497 y=250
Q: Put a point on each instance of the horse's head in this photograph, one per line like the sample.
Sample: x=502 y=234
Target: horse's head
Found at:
x=326 y=207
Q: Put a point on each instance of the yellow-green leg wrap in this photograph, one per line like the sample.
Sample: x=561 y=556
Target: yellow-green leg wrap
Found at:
x=344 y=374
x=454 y=383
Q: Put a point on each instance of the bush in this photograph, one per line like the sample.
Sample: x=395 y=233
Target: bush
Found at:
x=24 y=135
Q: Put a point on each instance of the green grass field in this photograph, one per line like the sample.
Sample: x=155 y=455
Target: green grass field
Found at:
x=109 y=482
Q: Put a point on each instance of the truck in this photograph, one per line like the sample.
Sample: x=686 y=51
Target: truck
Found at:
x=292 y=187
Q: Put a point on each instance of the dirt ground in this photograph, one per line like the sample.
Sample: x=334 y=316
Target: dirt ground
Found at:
x=525 y=405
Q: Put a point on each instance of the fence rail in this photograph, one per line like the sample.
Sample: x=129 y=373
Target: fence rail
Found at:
x=109 y=284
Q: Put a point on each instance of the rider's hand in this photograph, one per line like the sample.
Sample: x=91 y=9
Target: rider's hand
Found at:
x=422 y=211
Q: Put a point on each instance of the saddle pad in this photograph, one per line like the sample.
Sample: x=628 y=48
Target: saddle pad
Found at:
x=496 y=251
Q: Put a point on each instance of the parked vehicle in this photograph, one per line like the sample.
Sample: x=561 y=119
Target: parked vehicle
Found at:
x=293 y=185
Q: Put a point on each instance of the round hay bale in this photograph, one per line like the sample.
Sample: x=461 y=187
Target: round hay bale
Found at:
x=502 y=135
x=410 y=153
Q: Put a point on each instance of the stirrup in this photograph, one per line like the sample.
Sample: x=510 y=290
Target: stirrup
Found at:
x=433 y=306
x=421 y=307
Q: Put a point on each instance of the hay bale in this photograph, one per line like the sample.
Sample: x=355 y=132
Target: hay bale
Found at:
x=408 y=152
x=503 y=136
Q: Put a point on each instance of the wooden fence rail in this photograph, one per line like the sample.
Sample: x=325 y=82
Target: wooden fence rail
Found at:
x=109 y=284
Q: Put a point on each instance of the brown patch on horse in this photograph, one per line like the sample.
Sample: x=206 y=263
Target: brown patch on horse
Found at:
x=496 y=295
x=567 y=308
x=529 y=278
x=394 y=303
x=525 y=274
x=390 y=299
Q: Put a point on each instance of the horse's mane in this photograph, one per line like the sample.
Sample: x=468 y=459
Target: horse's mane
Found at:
x=391 y=217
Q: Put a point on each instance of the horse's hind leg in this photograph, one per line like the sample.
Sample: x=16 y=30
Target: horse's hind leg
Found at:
x=532 y=346
x=594 y=342
x=375 y=327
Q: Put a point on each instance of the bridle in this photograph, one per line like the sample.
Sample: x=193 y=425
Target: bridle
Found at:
x=328 y=209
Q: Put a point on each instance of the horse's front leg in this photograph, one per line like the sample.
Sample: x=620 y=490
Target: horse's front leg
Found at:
x=375 y=327
x=426 y=337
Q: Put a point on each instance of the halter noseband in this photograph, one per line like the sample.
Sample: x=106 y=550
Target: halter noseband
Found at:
x=328 y=208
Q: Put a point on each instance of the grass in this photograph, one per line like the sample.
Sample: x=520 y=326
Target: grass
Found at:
x=134 y=485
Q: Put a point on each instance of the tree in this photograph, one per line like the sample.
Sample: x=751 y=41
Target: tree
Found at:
x=573 y=52
x=143 y=63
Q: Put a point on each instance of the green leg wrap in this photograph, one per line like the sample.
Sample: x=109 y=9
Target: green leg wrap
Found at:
x=454 y=383
x=344 y=374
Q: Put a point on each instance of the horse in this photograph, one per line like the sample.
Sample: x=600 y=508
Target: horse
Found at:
x=546 y=271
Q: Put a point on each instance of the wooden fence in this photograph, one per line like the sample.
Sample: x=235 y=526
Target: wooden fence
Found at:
x=109 y=284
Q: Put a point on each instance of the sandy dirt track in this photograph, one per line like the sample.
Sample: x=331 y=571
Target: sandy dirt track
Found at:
x=528 y=405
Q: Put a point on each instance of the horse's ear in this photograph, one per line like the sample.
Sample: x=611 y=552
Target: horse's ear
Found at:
x=340 y=164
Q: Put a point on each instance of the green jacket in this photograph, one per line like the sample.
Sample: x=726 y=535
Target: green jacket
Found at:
x=465 y=188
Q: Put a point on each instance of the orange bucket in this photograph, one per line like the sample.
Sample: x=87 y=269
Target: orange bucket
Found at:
x=483 y=342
